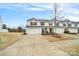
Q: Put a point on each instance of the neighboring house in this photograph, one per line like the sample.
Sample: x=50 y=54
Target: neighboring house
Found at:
x=39 y=26
x=1 y=29
x=0 y=25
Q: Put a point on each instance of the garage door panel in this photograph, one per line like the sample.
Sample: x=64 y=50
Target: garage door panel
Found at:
x=33 y=31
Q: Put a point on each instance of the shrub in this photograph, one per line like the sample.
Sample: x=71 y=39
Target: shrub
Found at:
x=24 y=33
x=66 y=32
x=56 y=35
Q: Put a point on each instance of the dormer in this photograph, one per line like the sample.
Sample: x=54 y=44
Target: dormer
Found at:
x=32 y=19
x=32 y=22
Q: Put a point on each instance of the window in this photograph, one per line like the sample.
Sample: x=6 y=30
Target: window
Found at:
x=69 y=25
x=75 y=25
x=42 y=23
x=64 y=24
x=57 y=24
x=50 y=24
x=33 y=23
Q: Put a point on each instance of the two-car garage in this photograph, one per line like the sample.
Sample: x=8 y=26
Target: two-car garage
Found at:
x=33 y=30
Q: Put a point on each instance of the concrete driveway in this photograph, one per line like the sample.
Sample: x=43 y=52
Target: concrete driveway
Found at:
x=32 y=45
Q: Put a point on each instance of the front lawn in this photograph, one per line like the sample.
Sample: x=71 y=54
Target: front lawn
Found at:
x=7 y=39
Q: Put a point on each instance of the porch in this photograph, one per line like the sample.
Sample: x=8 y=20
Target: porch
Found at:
x=47 y=31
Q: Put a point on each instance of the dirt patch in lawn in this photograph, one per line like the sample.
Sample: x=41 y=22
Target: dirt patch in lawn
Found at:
x=8 y=38
x=69 y=46
x=72 y=50
x=52 y=38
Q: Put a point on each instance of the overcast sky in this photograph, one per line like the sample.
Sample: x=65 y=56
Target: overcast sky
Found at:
x=17 y=14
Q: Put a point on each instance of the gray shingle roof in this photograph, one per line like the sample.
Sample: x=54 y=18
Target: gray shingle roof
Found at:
x=50 y=20
x=45 y=20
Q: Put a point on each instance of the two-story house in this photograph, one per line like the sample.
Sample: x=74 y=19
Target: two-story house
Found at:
x=0 y=25
x=39 y=26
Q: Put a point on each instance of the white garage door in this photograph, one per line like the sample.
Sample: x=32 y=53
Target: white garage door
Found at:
x=34 y=30
x=59 y=30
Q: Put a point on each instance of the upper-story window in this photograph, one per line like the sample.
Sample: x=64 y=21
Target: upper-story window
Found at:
x=42 y=23
x=33 y=23
x=64 y=24
x=69 y=25
x=57 y=24
x=50 y=24
x=75 y=25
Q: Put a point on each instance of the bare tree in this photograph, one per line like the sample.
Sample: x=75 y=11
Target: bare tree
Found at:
x=55 y=10
x=57 y=14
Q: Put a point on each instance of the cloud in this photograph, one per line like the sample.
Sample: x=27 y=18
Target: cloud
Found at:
x=14 y=6
x=22 y=7
x=36 y=9
x=70 y=11
x=72 y=18
x=43 y=5
x=28 y=7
